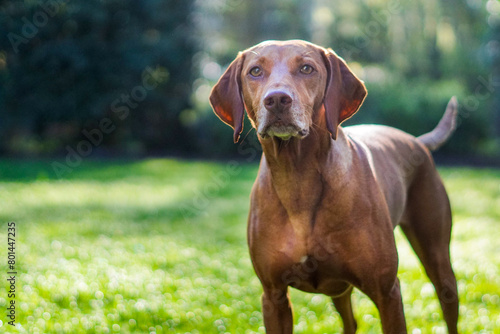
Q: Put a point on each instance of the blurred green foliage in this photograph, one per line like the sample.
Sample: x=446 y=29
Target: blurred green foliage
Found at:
x=412 y=55
x=70 y=64
x=67 y=65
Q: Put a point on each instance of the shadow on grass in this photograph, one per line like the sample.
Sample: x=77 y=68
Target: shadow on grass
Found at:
x=139 y=198
x=98 y=170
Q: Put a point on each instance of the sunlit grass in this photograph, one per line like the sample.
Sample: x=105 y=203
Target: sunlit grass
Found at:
x=160 y=246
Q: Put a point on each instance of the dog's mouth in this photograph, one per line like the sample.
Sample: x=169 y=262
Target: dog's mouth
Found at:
x=284 y=137
x=283 y=132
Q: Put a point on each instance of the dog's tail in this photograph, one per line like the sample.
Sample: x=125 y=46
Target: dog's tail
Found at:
x=447 y=125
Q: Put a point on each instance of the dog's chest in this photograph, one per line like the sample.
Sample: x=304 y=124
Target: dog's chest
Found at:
x=313 y=269
x=305 y=255
x=307 y=242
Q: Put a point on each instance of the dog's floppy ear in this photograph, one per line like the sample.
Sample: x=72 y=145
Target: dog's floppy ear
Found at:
x=226 y=99
x=344 y=92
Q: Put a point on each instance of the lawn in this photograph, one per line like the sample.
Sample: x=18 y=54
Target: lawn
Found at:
x=159 y=246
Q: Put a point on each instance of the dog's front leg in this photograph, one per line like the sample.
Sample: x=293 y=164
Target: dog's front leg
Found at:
x=277 y=311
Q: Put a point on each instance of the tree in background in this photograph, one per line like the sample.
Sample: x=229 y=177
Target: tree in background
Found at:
x=493 y=52
x=65 y=66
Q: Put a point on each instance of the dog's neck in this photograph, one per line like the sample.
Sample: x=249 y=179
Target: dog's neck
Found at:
x=296 y=155
x=299 y=167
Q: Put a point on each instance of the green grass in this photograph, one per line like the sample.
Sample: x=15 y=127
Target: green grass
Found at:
x=160 y=246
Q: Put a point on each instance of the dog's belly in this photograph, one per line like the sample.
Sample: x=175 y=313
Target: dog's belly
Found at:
x=332 y=288
x=315 y=276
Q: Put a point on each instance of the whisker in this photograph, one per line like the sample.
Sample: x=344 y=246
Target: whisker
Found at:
x=248 y=132
x=317 y=127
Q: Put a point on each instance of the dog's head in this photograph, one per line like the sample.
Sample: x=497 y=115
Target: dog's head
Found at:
x=285 y=86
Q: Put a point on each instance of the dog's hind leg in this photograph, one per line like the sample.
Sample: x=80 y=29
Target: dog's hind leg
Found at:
x=344 y=307
x=428 y=229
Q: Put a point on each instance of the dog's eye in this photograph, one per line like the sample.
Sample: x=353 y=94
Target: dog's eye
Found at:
x=256 y=71
x=306 y=69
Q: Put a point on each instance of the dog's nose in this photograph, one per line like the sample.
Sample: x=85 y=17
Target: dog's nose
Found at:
x=277 y=101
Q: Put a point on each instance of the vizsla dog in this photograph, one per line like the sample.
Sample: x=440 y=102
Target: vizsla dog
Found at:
x=327 y=199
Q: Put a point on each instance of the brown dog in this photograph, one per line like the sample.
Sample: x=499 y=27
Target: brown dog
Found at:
x=326 y=200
